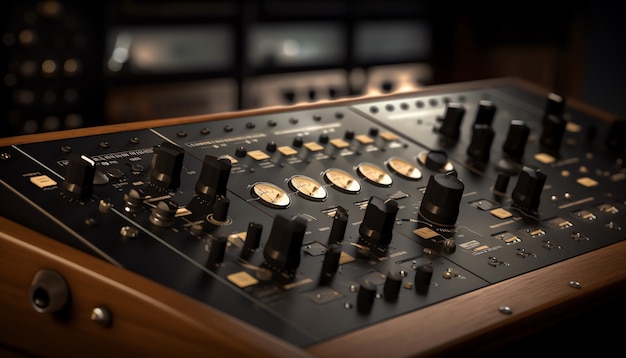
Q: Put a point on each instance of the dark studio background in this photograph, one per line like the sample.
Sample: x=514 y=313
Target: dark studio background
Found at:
x=60 y=69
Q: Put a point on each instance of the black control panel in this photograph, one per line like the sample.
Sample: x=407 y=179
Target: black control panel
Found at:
x=325 y=219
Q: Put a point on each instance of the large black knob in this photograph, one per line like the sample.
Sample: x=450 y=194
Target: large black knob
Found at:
x=393 y=283
x=377 y=225
x=423 y=277
x=527 y=192
x=365 y=297
x=282 y=250
x=168 y=163
x=213 y=177
x=79 y=177
x=486 y=113
x=480 y=145
x=516 y=138
x=436 y=160
x=340 y=223
x=442 y=198
x=451 y=126
x=253 y=239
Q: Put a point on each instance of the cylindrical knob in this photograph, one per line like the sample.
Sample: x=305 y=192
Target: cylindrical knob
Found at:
x=253 y=238
x=240 y=152
x=167 y=166
x=213 y=177
x=79 y=177
x=340 y=223
x=423 y=276
x=216 y=251
x=331 y=262
x=552 y=133
x=349 y=134
x=555 y=104
x=220 y=208
x=451 y=126
x=49 y=292
x=393 y=283
x=373 y=132
x=441 y=200
x=516 y=138
x=378 y=221
x=163 y=215
x=323 y=138
x=486 y=113
x=282 y=250
x=436 y=160
x=297 y=142
x=271 y=146
x=480 y=145
x=502 y=182
x=527 y=192
x=365 y=297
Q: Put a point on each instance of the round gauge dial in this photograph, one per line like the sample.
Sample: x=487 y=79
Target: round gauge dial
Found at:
x=270 y=195
x=374 y=174
x=342 y=180
x=404 y=168
x=308 y=188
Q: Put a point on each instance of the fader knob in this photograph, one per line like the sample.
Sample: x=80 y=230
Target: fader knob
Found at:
x=167 y=166
x=516 y=138
x=79 y=177
x=365 y=297
x=527 y=192
x=213 y=177
x=340 y=222
x=282 y=250
x=393 y=283
x=378 y=221
x=486 y=113
x=423 y=276
x=440 y=204
x=480 y=146
x=331 y=262
x=253 y=238
x=451 y=126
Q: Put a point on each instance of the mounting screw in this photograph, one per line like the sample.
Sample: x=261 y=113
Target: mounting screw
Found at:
x=505 y=310
x=574 y=284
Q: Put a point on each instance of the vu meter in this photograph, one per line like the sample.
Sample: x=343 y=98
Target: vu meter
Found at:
x=404 y=168
x=270 y=195
x=308 y=188
x=374 y=174
x=342 y=181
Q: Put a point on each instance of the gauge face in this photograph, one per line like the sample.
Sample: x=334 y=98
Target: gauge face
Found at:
x=308 y=188
x=270 y=195
x=404 y=168
x=342 y=181
x=374 y=174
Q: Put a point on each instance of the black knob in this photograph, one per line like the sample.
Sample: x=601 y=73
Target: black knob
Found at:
x=271 y=146
x=220 y=208
x=163 y=215
x=340 y=222
x=480 y=145
x=331 y=263
x=502 y=182
x=423 y=276
x=516 y=138
x=393 y=283
x=440 y=204
x=297 y=142
x=365 y=297
x=49 y=292
x=373 y=132
x=168 y=163
x=79 y=177
x=240 y=152
x=216 y=251
x=616 y=141
x=253 y=238
x=555 y=105
x=527 y=192
x=349 y=134
x=451 y=126
x=553 y=129
x=282 y=250
x=213 y=177
x=378 y=221
x=323 y=138
x=436 y=160
x=486 y=113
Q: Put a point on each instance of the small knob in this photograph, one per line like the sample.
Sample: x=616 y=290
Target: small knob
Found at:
x=502 y=182
x=240 y=152
x=486 y=113
x=253 y=238
x=163 y=215
x=282 y=250
x=297 y=142
x=323 y=138
x=451 y=126
x=213 y=177
x=442 y=198
x=365 y=297
x=79 y=177
x=220 y=209
x=133 y=201
x=527 y=192
x=271 y=146
x=423 y=276
x=436 y=160
x=393 y=283
x=340 y=222
x=349 y=134
x=378 y=221
x=168 y=163
x=216 y=251
x=480 y=145
x=516 y=138
x=373 y=132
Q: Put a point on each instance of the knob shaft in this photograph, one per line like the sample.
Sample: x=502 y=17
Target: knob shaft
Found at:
x=167 y=166
x=527 y=192
x=377 y=225
x=282 y=250
x=79 y=177
x=213 y=177
x=441 y=200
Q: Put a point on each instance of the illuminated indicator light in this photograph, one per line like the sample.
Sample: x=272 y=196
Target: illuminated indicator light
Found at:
x=339 y=143
x=258 y=155
x=364 y=139
x=388 y=136
x=287 y=151
x=587 y=182
x=501 y=213
x=313 y=147
x=242 y=279
x=43 y=181
x=544 y=158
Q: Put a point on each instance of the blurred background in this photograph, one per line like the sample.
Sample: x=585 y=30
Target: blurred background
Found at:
x=72 y=64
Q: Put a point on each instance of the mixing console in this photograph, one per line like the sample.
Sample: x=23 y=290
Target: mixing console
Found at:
x=319 y=220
